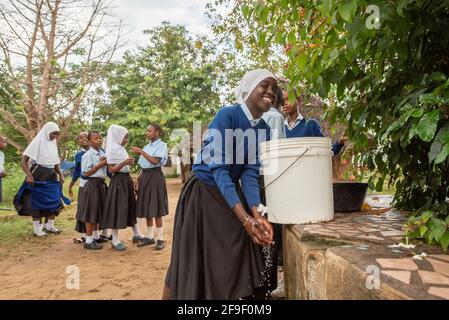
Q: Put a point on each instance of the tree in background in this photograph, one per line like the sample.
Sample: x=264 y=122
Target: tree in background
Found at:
x=174 y=81
x=384 y=67
x=53 y=57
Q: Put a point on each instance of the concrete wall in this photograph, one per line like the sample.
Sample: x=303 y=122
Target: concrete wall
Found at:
x=316 y=269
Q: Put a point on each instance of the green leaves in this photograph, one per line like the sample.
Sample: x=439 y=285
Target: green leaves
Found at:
x=428 y=125
x=326 y=7
x=347 y=9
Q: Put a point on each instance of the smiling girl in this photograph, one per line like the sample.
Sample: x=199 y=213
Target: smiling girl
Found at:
x=218 y=232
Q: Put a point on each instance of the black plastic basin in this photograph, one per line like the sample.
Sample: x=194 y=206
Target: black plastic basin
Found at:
x=349 y=196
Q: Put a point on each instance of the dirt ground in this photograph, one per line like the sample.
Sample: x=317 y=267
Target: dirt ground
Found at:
x=38 y=269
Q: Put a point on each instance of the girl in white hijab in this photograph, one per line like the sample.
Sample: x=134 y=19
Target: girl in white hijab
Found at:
x=216 y=222
x=43 y=151
x=120 y=204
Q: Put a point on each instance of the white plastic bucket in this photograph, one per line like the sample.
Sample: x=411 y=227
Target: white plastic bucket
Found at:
x=298 y=180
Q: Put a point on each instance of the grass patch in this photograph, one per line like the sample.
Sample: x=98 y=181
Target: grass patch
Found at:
x=15 y=229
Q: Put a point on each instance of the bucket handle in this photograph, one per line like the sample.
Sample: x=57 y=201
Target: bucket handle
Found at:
x=297 y=159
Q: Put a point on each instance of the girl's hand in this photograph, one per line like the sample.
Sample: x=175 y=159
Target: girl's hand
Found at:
x=136 y=185
x=136 y=150
x=129 y=161
x=29 y=179
x=263 y=220
x=3 y=174
x=61 y=179
x=103 y=161
x=261 y=232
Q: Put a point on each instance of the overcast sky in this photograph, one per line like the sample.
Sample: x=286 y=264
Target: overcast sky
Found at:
x=139 y=15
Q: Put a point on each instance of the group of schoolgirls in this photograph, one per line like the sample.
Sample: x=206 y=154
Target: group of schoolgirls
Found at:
x=221 y=232
x=99 y=207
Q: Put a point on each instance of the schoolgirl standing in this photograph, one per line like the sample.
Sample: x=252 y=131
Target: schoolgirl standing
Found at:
x=43 y=150
x=120 y=207
x=152 y=199
x=83 y=143
x=92 y=192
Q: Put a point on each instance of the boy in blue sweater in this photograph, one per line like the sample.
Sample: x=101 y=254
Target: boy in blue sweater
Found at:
x=296 y=126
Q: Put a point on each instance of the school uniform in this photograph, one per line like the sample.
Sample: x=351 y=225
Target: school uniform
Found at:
x=212 y=255
x=44 y=152
x=93 y=189
x=303 y=127
x=79 y=226
x=120 y=207
x=275 y=120
x=2 y=169
x=152 y=198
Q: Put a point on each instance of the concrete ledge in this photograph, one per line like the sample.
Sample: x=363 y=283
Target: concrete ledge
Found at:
x=350 y=258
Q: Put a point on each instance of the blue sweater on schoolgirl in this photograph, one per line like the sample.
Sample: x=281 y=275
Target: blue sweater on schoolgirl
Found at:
x=77 y=171
x=230 y=154
x=308 y=128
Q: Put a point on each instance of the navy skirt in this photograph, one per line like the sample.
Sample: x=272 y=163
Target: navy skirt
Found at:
x=152 y=198
x=91 y=201
x=23 y=205
x=120 y=207
x=212 y=255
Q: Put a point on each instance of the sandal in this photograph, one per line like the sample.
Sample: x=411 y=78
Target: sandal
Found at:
x=39 y=235
x=119 y=247
x=77 y=241
x=52 y=230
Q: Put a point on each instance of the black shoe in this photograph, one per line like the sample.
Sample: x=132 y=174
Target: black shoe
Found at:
x=137 y=239
x=106 y=239
x=101 y=240
x=160 y=245
x=93 y=246
x=146 y=242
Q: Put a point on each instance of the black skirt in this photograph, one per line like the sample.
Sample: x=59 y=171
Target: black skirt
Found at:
x=23 y=207
x=120 y=207
x=212 y=255
x=91 y=201
x=152 y=198
x=80 y=226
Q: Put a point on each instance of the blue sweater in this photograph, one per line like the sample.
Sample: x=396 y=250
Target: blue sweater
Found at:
x=217 y=166
x=310 y=128
x=77 y=172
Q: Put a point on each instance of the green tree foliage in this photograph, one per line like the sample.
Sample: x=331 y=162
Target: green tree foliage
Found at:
x=173 y=81
x=385 y=65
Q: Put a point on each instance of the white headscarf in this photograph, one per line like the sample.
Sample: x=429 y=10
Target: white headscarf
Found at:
x=115 y=152
x=249 y=82
x=43 y=150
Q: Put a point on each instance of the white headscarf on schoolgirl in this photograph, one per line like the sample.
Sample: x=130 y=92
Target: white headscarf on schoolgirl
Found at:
x=249 y=82
x=43 y=150
x=115 y=152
